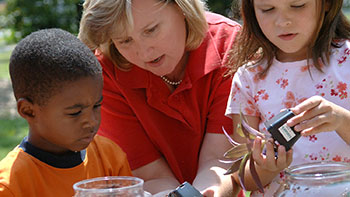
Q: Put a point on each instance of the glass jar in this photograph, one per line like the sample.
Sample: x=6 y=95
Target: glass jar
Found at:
x=110 y=186
x=320 y=179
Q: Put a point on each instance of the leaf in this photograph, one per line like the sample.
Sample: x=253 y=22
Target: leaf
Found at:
x=234 y=143
x=242 y=169
x=236 y=152
x=244 y=131
x=255 y=174
x=224 y=160
x=248 y=129
x=239 y=130
x=234 y=167
x=241 y=153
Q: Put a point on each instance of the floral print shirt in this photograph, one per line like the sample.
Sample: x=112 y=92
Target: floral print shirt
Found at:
x=286 y=85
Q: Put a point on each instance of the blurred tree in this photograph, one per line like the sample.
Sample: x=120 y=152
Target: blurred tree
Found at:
x=26 y=16
x=220 y=6
x=346 y=3
x=229 y=8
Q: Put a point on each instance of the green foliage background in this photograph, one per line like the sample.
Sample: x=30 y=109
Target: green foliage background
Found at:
x=220 y=6
x=22 y=17
x=26 y=16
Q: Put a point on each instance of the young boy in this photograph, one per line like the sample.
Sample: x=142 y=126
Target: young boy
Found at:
x=57 y=82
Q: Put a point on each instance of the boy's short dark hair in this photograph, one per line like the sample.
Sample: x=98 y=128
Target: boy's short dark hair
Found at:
x=45 y=60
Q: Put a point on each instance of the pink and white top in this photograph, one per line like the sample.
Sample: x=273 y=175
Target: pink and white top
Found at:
x=286 y=85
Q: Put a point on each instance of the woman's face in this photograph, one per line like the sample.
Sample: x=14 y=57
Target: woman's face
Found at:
x=157 y=41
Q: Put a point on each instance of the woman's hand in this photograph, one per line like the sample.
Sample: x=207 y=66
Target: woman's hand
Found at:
x=210 y=179
x=316 y=115
x=158 y=177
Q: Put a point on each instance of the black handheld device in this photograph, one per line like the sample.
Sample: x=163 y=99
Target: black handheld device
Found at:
x=185 y=190
x=280 y=131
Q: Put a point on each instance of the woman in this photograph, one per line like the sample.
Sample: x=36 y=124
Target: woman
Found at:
x=164 y=90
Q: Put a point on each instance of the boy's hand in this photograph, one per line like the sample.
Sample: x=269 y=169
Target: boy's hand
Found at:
x=269 y=162
x=316 y=115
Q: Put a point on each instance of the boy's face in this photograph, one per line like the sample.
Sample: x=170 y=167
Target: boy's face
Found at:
x=70 y=119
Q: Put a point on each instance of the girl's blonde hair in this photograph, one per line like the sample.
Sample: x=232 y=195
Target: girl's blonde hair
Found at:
x=103 y=19
x=252 y=45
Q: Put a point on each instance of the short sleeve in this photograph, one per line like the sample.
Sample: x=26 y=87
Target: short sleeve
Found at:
x=241 y=98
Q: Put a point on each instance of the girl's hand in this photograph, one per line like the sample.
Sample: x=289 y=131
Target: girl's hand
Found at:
x=269 y=162
x=316 y=115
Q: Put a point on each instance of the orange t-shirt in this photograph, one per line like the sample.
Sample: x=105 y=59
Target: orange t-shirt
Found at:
x=21 y=174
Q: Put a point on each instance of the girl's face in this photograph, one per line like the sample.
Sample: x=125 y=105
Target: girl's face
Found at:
x=157 y=41
x=289 y=25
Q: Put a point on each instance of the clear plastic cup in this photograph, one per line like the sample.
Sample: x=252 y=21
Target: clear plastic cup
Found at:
x=110 y=186
x=321 y=179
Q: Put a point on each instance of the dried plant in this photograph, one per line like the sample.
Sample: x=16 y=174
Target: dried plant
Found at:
x=240 y=153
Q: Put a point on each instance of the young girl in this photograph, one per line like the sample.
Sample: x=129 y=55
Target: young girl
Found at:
x=294 y=54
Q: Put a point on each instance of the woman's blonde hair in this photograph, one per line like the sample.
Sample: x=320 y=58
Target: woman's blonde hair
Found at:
x=103 y=19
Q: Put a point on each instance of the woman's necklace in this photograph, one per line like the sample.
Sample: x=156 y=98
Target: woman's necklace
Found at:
x=182 y=64
x=174 y=83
